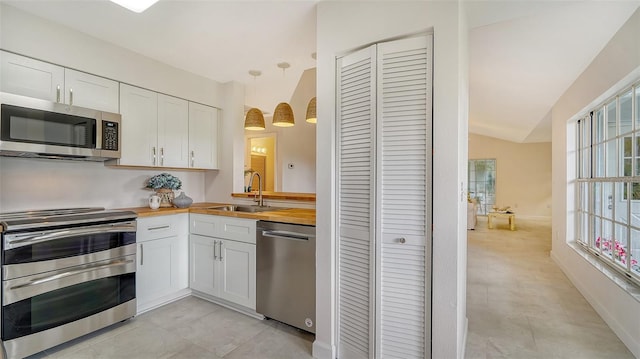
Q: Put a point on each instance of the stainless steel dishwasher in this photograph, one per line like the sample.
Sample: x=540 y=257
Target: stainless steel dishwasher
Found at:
x=286 y=273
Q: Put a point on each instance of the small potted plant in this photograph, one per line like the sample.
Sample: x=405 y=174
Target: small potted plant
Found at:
x=164 y=184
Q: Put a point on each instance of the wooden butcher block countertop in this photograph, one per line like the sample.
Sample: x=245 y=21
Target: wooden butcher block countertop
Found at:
x=286 y=215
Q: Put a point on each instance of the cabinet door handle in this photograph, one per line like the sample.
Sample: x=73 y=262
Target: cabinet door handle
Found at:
x=220 y=251
x=215 y=244
x=141 y=254
x=58 y=94
x=153 y=150
x=70 y=97
x=402 y=240
x=192 y=155
x=161 y=156
x=158 y=228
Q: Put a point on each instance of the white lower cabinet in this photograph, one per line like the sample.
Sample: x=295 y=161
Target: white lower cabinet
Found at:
x=162 y=272
x=223 y=258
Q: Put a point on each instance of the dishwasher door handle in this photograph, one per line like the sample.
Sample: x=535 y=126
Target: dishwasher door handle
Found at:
x=286 y=235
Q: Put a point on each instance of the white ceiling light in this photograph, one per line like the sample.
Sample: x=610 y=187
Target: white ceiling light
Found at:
x=135 y=5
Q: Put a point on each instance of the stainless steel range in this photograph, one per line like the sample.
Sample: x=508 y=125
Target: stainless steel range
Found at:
x=65 y=273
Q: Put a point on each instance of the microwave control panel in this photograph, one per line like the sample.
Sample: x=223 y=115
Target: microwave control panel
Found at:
x=109 y=136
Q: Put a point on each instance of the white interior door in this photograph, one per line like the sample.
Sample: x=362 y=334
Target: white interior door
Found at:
x=384 y=126
x=355 y=137
x=404 y=184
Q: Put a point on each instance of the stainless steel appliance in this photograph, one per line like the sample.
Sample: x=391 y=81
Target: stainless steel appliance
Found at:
x=32 y=127
x=286 y=273
x=65 y=273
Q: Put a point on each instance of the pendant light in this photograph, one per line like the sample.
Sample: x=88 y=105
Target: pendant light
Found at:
x=311 y=111
x=283 y=114
x=254 y=121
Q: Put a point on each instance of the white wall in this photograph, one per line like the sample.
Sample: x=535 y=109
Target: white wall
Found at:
x=615 y=67
x=523 y=178
x=32 y=183
x=345 y=26
x=295 y=145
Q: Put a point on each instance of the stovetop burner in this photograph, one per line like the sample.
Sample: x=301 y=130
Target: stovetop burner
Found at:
x=47 y=213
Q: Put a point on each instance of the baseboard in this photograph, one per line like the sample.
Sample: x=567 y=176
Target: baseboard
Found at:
x=322 y=350
x=238 y=308
x=628 y=339
x=463 y=352
x=157 y=303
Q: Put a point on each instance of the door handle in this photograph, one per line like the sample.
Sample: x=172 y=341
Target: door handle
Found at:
x=58 y=94
x=153 y=150
x=192 y=161
x=141 y=254
x=220 y=256
x=161 y=156
x=71 y=97
x=215 y=245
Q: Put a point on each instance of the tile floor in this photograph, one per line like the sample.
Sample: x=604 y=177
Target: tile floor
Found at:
x=189 y=328
x=520 y=304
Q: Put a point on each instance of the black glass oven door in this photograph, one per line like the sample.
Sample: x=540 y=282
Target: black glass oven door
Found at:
x=47 y=308
x=40 y=246
x=20 y=124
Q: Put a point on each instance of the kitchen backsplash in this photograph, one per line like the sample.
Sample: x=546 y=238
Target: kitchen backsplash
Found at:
x=27 y=184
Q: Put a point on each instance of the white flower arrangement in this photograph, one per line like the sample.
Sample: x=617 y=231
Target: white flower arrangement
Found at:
x=164 y=180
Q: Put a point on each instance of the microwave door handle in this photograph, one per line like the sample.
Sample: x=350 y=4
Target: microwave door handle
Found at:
x=117 y=263
x=39 y=238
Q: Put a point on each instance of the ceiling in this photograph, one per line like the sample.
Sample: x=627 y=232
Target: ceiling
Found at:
x=523 y=54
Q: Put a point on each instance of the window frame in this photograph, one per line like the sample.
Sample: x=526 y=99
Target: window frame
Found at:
x=603 y=183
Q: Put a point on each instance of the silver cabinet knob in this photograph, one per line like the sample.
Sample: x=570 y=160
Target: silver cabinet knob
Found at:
x=402 y=240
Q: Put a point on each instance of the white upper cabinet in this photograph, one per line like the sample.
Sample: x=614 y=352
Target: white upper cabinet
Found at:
x=203 y=136
x=139 y=109
x=86 y=90
x=165 y=131
x=33 y=78
x=173 y=131
x=28 y=77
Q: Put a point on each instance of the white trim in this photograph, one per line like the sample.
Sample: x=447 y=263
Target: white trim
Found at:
x=629 y=339
x=463 y=352
x=322 y=350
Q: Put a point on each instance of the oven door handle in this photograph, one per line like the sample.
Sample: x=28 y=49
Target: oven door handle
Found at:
x=32 y=238
x=37 y=281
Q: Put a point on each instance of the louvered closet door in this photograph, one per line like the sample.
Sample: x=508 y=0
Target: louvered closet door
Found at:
x=356 y=189
x=404 y=181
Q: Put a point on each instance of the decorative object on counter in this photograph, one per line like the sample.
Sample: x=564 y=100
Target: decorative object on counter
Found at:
x=154 y=201
x=247 y=173
x=182 y=201
x=311 y=111
x=164 y=184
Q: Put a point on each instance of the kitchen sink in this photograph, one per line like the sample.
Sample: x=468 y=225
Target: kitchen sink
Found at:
x=241 y=208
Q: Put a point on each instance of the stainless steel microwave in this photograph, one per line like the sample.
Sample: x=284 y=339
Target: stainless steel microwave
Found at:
x=32 y=127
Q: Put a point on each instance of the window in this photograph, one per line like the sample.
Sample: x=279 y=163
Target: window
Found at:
x=608 y=183
x=482 y=184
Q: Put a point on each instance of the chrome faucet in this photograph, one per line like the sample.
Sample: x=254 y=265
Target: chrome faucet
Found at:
x=260 y=202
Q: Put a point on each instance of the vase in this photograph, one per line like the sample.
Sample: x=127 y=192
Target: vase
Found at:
x=166 y=197
x=182 y=201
